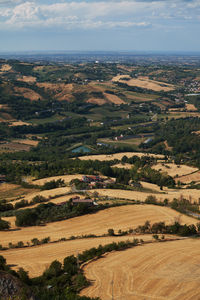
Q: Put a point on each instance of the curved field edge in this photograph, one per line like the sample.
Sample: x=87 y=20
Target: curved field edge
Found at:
x=118 y=218
x=167 y=270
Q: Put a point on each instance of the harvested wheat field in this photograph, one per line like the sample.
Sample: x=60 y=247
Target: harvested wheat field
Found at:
x=5 y=68
x=28 y=79
x=98 y=101
x=19 y=123
x=123 y=166
x=189 y=194
x=190 y=107
x=174 y=170
x=144 y=82
x=124 y=217
x=48 y=193
x=9 y=191
x=114 y=99
x=160 y=271
x=27 y=93
x=36 y=259
x=119 y=156
x=66 y=178
x=26 y=142
x=195 y=177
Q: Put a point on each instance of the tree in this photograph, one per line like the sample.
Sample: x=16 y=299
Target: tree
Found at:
x=111 y=232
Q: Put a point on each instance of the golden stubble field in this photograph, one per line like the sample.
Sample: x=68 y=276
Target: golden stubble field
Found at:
x=108 y=157
x=124 y=217
x=144 y=82
x=161 y=271
x=174 y=170
x=190 y=194
x=36 y=259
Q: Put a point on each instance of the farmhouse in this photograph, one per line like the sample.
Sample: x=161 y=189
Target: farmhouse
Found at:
x=89 y=179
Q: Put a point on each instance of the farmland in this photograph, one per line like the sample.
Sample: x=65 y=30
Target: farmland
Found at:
x=159 y=271
x=36 y=259
x=123 y=218
x=134 y=128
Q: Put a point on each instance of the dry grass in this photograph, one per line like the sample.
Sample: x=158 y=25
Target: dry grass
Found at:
x=5 y=68
x=98 y=101
x=27 y=93
x=36 y=260
x=28 y=79
x=123 y=166
x=124 y=217
x=164 y=271
x=18 y=123
x=66 y=178
x=189 y=178
x=190 y=107
x=10 y=191
x=189 y=194
x=108 y=157
x=114 y=99
x=26 y=142
x=12 y=147
x=174 y=170
x=144 y=82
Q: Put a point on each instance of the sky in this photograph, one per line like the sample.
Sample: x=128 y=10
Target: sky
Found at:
x=91 y=25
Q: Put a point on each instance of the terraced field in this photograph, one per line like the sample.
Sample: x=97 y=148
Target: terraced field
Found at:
x=163 y=271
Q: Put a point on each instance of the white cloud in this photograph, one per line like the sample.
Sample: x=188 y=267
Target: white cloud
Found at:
x=96 y=14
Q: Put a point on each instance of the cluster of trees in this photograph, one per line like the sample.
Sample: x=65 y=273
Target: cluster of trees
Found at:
x=175 y=228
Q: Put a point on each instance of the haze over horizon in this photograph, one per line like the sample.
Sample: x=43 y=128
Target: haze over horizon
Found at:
x=139 y=25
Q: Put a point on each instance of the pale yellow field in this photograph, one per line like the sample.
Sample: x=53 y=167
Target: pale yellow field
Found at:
x=114 y=99
x=5 y=68
x=119 y=156
x=36 y=259
x=173 y=169
x=190 y=194
x=99 y=101
x=144 y=82
x=124 y=217
x=66 y=178
x=18 y=123
x=123 y=166
x=47 y=193
x=190 y=107
x=189 y=178
x=160 y=271
x=26 y=142
x=27 y=79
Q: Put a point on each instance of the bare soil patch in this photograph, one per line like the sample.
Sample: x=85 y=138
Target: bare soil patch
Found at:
x=28 y=79
x=155 y=271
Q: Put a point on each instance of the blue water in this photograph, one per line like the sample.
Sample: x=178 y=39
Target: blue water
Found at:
x=81 y=149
